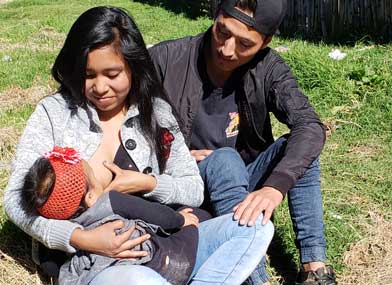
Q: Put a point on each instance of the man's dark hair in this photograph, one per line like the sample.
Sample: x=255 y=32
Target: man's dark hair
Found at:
x=247 y=5
x=38 y=186
x=102 y=26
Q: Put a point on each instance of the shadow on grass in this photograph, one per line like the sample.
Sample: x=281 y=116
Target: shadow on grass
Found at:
x=282 y=261
x=347 y=40
x=15 y=247
x=190 y=8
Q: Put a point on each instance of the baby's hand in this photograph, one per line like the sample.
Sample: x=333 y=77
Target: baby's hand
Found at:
x=189 y=217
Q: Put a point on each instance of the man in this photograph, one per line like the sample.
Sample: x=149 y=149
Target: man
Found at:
x=223 y=84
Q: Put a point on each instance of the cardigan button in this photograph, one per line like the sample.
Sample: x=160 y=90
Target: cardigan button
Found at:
x=130 y=144
x=147 y=170
x=129 y=123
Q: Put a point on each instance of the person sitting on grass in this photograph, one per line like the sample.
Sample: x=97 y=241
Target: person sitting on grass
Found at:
x=60 y=185
x=225 y=85
x=111 y=107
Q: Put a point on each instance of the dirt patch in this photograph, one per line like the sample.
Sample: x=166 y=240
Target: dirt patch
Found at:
x=369 y=260
x=331 y=126
x=8 y=140
x=13 y=272
x=366 y=150
x=16 y=96
x=46 y=39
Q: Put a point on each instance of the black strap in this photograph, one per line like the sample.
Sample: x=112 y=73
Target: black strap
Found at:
x=229 y=8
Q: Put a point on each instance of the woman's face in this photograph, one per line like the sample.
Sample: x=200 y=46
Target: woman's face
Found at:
x=108 y=81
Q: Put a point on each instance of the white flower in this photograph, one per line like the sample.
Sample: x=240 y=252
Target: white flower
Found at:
x=7 y=58
x=337 y=54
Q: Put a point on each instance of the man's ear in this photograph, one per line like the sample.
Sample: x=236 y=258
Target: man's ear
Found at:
x=267 y=41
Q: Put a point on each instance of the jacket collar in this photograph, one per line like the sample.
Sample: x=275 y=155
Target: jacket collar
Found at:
x=92 y=118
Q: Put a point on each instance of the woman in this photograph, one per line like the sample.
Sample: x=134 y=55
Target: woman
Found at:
x=110 y=107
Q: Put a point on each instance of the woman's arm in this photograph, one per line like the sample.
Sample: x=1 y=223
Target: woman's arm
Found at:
x=181 y=182
x=38 y=138
x=103 y=240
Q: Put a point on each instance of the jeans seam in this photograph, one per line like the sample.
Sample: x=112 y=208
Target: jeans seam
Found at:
x=246 y=252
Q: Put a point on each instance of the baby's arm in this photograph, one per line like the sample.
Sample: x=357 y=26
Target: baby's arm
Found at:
x=133 y=207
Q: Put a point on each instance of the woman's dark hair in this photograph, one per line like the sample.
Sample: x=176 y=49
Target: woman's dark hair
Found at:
x=38 y=186
x=98 y=27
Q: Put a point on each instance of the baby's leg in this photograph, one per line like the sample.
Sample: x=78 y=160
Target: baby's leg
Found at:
x=176 y=254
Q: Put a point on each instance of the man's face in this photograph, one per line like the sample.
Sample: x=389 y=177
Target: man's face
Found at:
x=233 y=43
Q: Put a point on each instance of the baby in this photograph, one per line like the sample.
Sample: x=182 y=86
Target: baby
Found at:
x=61 y=185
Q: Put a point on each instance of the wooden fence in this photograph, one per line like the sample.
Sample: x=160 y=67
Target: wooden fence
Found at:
x=339 y=19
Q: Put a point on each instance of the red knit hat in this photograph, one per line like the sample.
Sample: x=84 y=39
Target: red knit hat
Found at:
x=69 y=186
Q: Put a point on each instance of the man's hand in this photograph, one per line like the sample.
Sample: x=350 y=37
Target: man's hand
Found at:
x=189 y=217
x=264 y=200
x=103 y=240
x=201 y=154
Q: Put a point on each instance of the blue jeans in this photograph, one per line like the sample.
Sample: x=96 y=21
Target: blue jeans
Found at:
x=228 y=181
x=227 y=253
x=129 y=275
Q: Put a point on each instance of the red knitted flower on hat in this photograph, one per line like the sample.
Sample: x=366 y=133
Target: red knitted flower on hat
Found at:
x=167 y=138
x=64 y=154
x=69 y=186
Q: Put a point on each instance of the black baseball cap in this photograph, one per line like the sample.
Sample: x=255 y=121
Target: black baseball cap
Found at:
x=266 y=19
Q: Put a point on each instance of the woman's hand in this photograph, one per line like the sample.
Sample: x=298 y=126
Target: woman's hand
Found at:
x=129 y=181
x=189 y=217
x=104 y=241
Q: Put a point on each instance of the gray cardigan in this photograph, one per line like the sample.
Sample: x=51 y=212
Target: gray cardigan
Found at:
x=52 y=123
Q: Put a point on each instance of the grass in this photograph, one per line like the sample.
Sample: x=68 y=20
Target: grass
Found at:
x=353 y=97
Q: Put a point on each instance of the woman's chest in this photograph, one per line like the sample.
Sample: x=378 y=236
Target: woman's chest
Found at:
x=97 y=146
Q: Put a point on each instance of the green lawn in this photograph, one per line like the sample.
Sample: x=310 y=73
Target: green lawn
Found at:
x=352 y=96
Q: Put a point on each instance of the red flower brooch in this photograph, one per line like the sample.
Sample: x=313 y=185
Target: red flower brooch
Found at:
x=167 y=138
x=64 y=154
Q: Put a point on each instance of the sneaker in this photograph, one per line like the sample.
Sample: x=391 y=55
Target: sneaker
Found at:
x=322 y=276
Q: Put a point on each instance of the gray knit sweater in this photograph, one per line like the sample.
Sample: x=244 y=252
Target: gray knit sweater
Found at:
x=53 y=123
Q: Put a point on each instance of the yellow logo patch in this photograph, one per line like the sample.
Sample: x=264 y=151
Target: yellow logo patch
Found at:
x=232 y=129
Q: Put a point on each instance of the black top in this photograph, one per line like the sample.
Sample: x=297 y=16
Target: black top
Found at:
x=216 y=123
x=123 y=160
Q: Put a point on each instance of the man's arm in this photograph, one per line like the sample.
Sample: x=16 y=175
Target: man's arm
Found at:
x=306 y=140
x=307 y=133
x=132 y=207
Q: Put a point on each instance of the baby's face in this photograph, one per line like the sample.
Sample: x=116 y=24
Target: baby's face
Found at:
x=94 y=188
